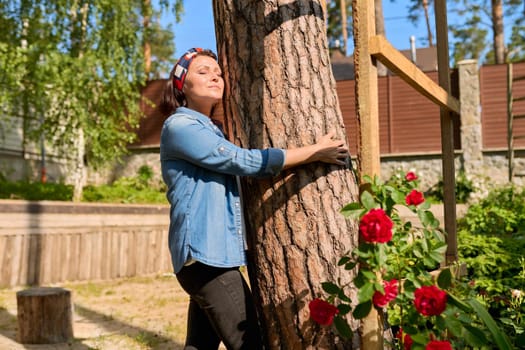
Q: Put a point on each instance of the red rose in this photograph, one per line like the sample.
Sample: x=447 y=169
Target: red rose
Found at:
x=430 y=300
x=405 y=338
x=376 y=226
x=381 y=300
x=411 y=176
x=414 y=198
x=322 y=312
x=438 y=345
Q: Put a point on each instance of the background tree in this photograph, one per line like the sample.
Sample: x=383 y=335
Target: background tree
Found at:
x=339 y=24
x=415 y=9
x=72 y=74
x=478 y=18
x=516 y=47
x=280 y=92
x=380 y=30
x=158 y=56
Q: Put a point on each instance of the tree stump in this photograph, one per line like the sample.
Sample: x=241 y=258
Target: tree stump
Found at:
x=44 y=315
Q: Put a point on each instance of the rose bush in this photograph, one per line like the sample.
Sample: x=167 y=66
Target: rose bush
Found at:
x=430 y=300
x=399 y=271
x=381 y=299
x=322 y=312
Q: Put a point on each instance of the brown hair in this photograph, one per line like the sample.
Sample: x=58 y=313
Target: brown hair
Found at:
x=173 y=97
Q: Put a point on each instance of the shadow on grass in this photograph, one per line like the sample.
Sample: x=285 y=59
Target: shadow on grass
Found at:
x=111 y=326
x=108 y=327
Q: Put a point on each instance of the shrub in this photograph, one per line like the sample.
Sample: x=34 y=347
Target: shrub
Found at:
x=464 y=188
x=35 y=191
x=491 y=242
x=137 y=189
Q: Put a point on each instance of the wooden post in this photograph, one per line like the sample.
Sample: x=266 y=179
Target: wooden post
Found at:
x=368 y=145
x=44 y=315
x=447 y=134
x=366 y=88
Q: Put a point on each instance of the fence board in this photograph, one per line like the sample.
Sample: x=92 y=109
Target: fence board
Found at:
x=46 y=246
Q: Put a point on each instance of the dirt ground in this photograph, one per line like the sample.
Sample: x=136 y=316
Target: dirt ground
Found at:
x=131 y=314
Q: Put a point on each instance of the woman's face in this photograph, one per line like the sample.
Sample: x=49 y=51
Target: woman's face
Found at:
x=203 y=86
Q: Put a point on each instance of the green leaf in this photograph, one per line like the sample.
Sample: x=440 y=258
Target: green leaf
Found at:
x=417 y=252
x=444 y=279
x=368 y=200
x=454 y=326
x=398 y=197
x=330 y=288
x=353 y=210
x=343 y=260
x=452 y=300
x=410 y=329
x=425 y=205
x=441 y=249
x=436 y=256
x=344 y=309
x=499 y=337
x=366 y=292
x=362 y=309
x=369 y=275
x=343 y=328
x=341 y=295
x=475 y=336
x=426 y=217
x=350 y=265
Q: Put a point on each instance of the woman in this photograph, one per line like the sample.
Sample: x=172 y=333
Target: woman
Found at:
x=206 y=233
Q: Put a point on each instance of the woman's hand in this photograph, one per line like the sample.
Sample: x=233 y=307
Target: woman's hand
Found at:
x=330 y=150
x=327 y=150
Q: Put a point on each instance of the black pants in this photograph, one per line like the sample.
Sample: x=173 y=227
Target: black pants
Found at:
x=221 y=309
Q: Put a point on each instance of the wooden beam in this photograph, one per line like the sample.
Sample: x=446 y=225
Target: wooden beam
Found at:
x=381 y=49
x=447 y=134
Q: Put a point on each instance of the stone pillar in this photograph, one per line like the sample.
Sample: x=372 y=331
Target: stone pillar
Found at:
x=471 y=138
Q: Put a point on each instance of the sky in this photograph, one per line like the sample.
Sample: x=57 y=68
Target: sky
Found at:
x=196 y=28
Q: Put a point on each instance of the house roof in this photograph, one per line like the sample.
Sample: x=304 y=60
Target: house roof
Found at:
x=343 y=66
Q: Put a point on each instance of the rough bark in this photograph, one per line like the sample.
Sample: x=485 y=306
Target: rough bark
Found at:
x=44 y=316
x=280 y=92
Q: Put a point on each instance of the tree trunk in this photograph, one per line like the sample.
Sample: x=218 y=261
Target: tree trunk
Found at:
x=497 y=28
x=427 y=21
x=146 y=17
x=344 y=26
x=79 y=166
x=280 y=92
x=45 y=315
x=380 y=30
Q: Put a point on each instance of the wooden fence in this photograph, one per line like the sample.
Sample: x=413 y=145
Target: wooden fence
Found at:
x=48 y=242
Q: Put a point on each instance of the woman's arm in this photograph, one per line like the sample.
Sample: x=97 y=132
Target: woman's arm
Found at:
x=326 y=150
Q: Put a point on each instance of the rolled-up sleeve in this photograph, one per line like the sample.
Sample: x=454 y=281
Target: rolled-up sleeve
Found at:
x=275 y=160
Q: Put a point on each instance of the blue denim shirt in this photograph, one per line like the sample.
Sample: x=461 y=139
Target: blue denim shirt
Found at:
x=200 y=167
